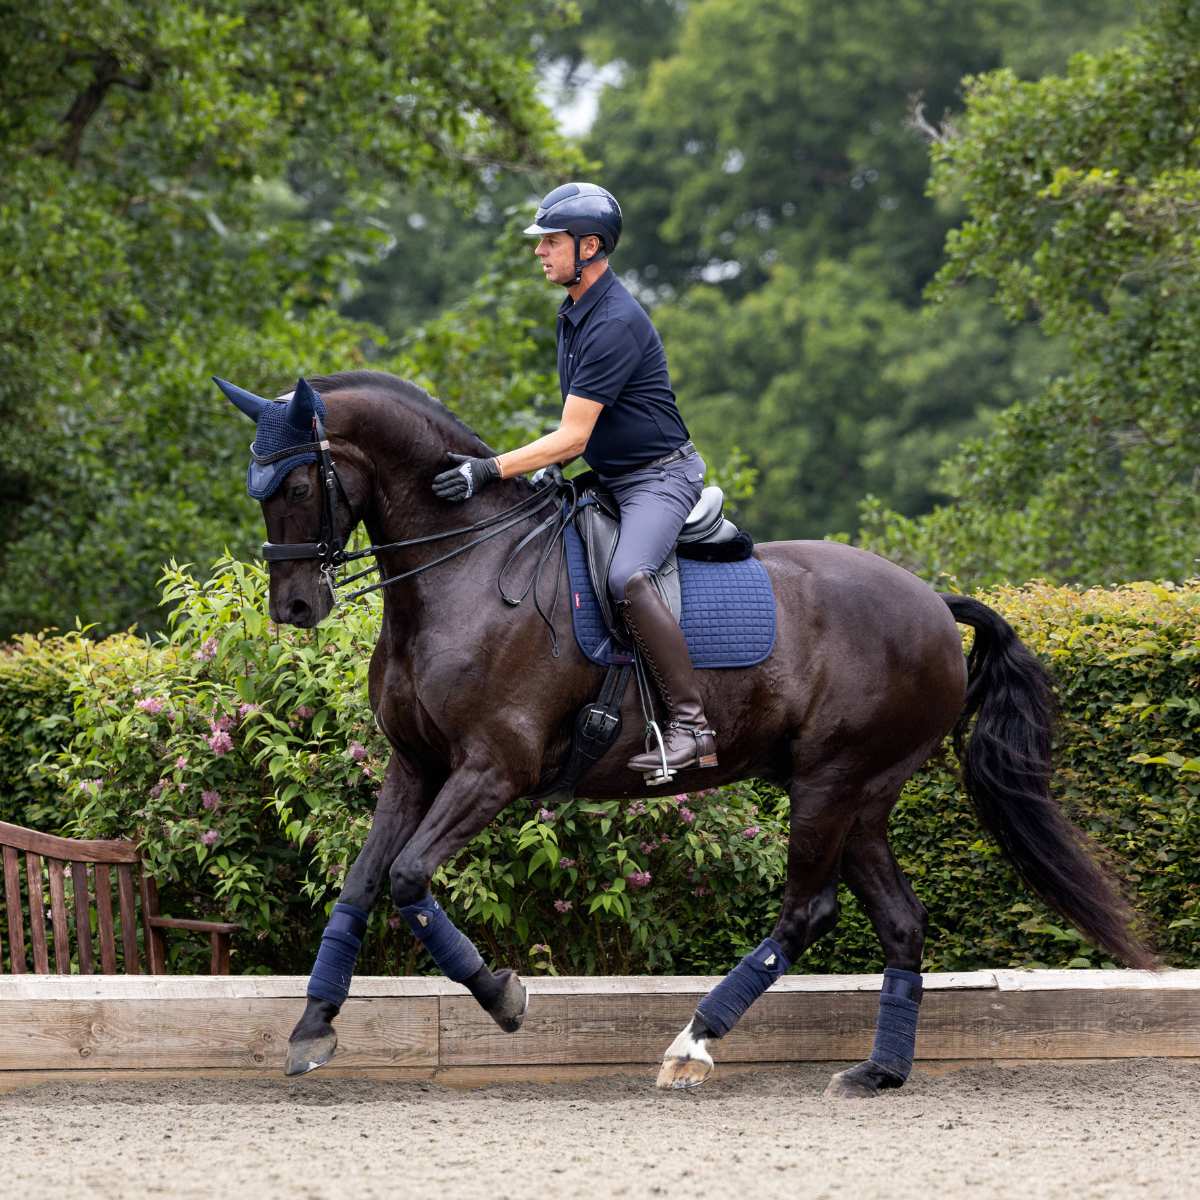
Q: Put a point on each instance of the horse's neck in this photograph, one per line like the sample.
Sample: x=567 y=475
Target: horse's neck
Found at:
x=405 y=508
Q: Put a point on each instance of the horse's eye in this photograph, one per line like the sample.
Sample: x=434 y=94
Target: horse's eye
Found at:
x=298 y=492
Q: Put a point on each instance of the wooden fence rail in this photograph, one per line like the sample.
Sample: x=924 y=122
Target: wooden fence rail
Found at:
x=53 y=1023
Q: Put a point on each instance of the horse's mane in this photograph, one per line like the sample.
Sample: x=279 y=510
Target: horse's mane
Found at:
x=401 y=390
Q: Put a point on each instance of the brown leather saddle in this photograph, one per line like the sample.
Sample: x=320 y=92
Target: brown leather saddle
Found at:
x=706 y=534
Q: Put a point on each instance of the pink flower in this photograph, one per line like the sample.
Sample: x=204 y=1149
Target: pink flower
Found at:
x=157 y=790
x=395 y=921
x=304 y=712
x=210 y=837
x=751 y=831
x=208 y=651
x=649 y=847
x=357 y=751
x=152 y=705
x=563 y=906
x=245 y=710
x=220 y=724
x=546 y=815
x=635 y=809
x=210 y=800
x=638 y=879
x=681 y=798
x=180 y=763
x=220 y=742
x=564 y=863
x=686 y=815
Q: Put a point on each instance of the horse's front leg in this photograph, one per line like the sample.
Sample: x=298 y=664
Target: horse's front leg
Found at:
x=468 y=801
x=403 y=800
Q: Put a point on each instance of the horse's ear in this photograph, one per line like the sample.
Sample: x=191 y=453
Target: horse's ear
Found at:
x=303 y=405
x=247 y=402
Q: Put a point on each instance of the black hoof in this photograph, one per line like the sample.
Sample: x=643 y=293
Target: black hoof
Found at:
x=308 y=1053
x=508 y=1010
x=862 y=1082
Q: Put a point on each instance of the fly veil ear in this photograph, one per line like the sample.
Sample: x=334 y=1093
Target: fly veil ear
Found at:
x=283 y=436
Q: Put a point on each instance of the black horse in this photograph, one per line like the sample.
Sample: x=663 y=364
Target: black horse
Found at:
x=866 y=678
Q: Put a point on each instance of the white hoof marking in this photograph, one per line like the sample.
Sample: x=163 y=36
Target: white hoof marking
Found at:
x=687 y=1062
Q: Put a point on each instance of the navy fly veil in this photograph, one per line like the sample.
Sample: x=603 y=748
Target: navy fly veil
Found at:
x=283 y=436
x=728 y=615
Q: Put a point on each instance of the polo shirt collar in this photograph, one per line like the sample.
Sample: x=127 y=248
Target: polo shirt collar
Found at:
x=575 y=310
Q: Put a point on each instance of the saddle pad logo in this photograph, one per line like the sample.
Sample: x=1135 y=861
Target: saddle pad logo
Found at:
x=728 y=613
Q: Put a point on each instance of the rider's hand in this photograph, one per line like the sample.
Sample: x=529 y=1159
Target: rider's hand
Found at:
x=466 y=478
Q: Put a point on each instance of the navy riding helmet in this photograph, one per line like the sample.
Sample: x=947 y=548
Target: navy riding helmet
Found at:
x=580 y=209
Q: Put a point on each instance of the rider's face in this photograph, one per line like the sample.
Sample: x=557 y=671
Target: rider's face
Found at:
x=556 y=253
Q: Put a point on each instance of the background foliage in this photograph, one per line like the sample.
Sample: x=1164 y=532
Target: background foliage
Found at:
x=244 y=761
x=1082 y=194
x=190 y=188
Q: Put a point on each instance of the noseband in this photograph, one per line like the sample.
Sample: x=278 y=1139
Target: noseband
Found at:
x=332 y=554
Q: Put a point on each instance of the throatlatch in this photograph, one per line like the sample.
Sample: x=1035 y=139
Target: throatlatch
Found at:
x=340 y=944
x=725 y=1005
x=896 y=1027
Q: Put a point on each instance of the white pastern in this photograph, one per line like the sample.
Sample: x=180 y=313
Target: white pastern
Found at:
x=687 y=1062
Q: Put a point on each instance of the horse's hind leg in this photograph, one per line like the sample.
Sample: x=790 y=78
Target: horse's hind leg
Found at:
x=402 y=802
x=820 y=817
x=872 y=873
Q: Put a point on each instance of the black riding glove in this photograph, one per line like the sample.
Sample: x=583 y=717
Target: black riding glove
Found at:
x=469 y=476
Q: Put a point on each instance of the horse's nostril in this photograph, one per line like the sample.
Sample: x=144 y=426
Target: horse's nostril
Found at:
x=299 y=611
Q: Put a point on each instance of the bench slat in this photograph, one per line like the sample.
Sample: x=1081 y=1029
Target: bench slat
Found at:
x=58 y=917
x=104 y=918
x=37 y=913
x=128 y=928
x=83 y=920
x=12 y=900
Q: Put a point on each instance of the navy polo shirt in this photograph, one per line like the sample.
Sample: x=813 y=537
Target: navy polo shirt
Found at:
x=609 y=351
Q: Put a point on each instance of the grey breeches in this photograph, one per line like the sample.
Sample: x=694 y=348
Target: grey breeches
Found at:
x=654 y=503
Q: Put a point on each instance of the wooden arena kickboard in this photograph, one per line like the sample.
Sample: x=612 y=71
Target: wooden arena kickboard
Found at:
x=426 y=1024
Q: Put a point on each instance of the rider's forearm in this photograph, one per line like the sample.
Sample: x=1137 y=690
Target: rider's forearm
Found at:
x=560 y=446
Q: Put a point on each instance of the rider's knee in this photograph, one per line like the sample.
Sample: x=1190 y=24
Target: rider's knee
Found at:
x=621 y=580
x=409 y=881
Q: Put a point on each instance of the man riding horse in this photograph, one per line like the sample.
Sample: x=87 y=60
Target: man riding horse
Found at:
x=620 y=413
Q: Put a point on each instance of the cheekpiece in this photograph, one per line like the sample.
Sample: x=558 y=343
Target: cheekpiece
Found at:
x=283 y=436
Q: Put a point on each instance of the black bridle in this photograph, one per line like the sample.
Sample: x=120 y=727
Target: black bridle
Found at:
x=332 y=554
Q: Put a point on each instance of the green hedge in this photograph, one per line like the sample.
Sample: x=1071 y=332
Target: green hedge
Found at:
x=243 y=758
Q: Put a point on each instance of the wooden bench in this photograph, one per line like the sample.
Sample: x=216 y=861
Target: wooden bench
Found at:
x=92 y=866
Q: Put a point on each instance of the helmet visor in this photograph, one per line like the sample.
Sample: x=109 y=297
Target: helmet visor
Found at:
x=536 y=230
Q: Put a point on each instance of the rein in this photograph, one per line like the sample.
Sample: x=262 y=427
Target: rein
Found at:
x=332 y=553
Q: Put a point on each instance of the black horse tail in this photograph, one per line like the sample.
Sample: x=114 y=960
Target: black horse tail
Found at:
x=1006 y=769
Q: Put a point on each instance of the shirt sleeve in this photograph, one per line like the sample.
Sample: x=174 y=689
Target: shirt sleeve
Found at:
x=609 y=360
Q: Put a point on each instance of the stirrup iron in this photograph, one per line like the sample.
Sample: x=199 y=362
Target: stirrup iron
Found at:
x=661 y=774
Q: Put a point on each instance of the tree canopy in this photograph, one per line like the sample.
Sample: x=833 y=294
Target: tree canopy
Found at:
x=190 y=188
x=1082 y=194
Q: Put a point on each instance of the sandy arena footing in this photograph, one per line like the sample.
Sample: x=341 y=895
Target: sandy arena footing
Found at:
x=1080 y=1130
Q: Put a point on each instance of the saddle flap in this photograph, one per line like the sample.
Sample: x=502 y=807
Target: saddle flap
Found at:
x=598 y=523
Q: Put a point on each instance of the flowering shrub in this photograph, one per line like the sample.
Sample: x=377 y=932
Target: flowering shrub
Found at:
x=244 y=760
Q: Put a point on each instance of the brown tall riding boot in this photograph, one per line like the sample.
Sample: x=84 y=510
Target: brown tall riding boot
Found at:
x=687 y=738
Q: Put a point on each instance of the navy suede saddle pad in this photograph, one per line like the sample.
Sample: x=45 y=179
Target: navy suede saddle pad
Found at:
x=728 y=612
